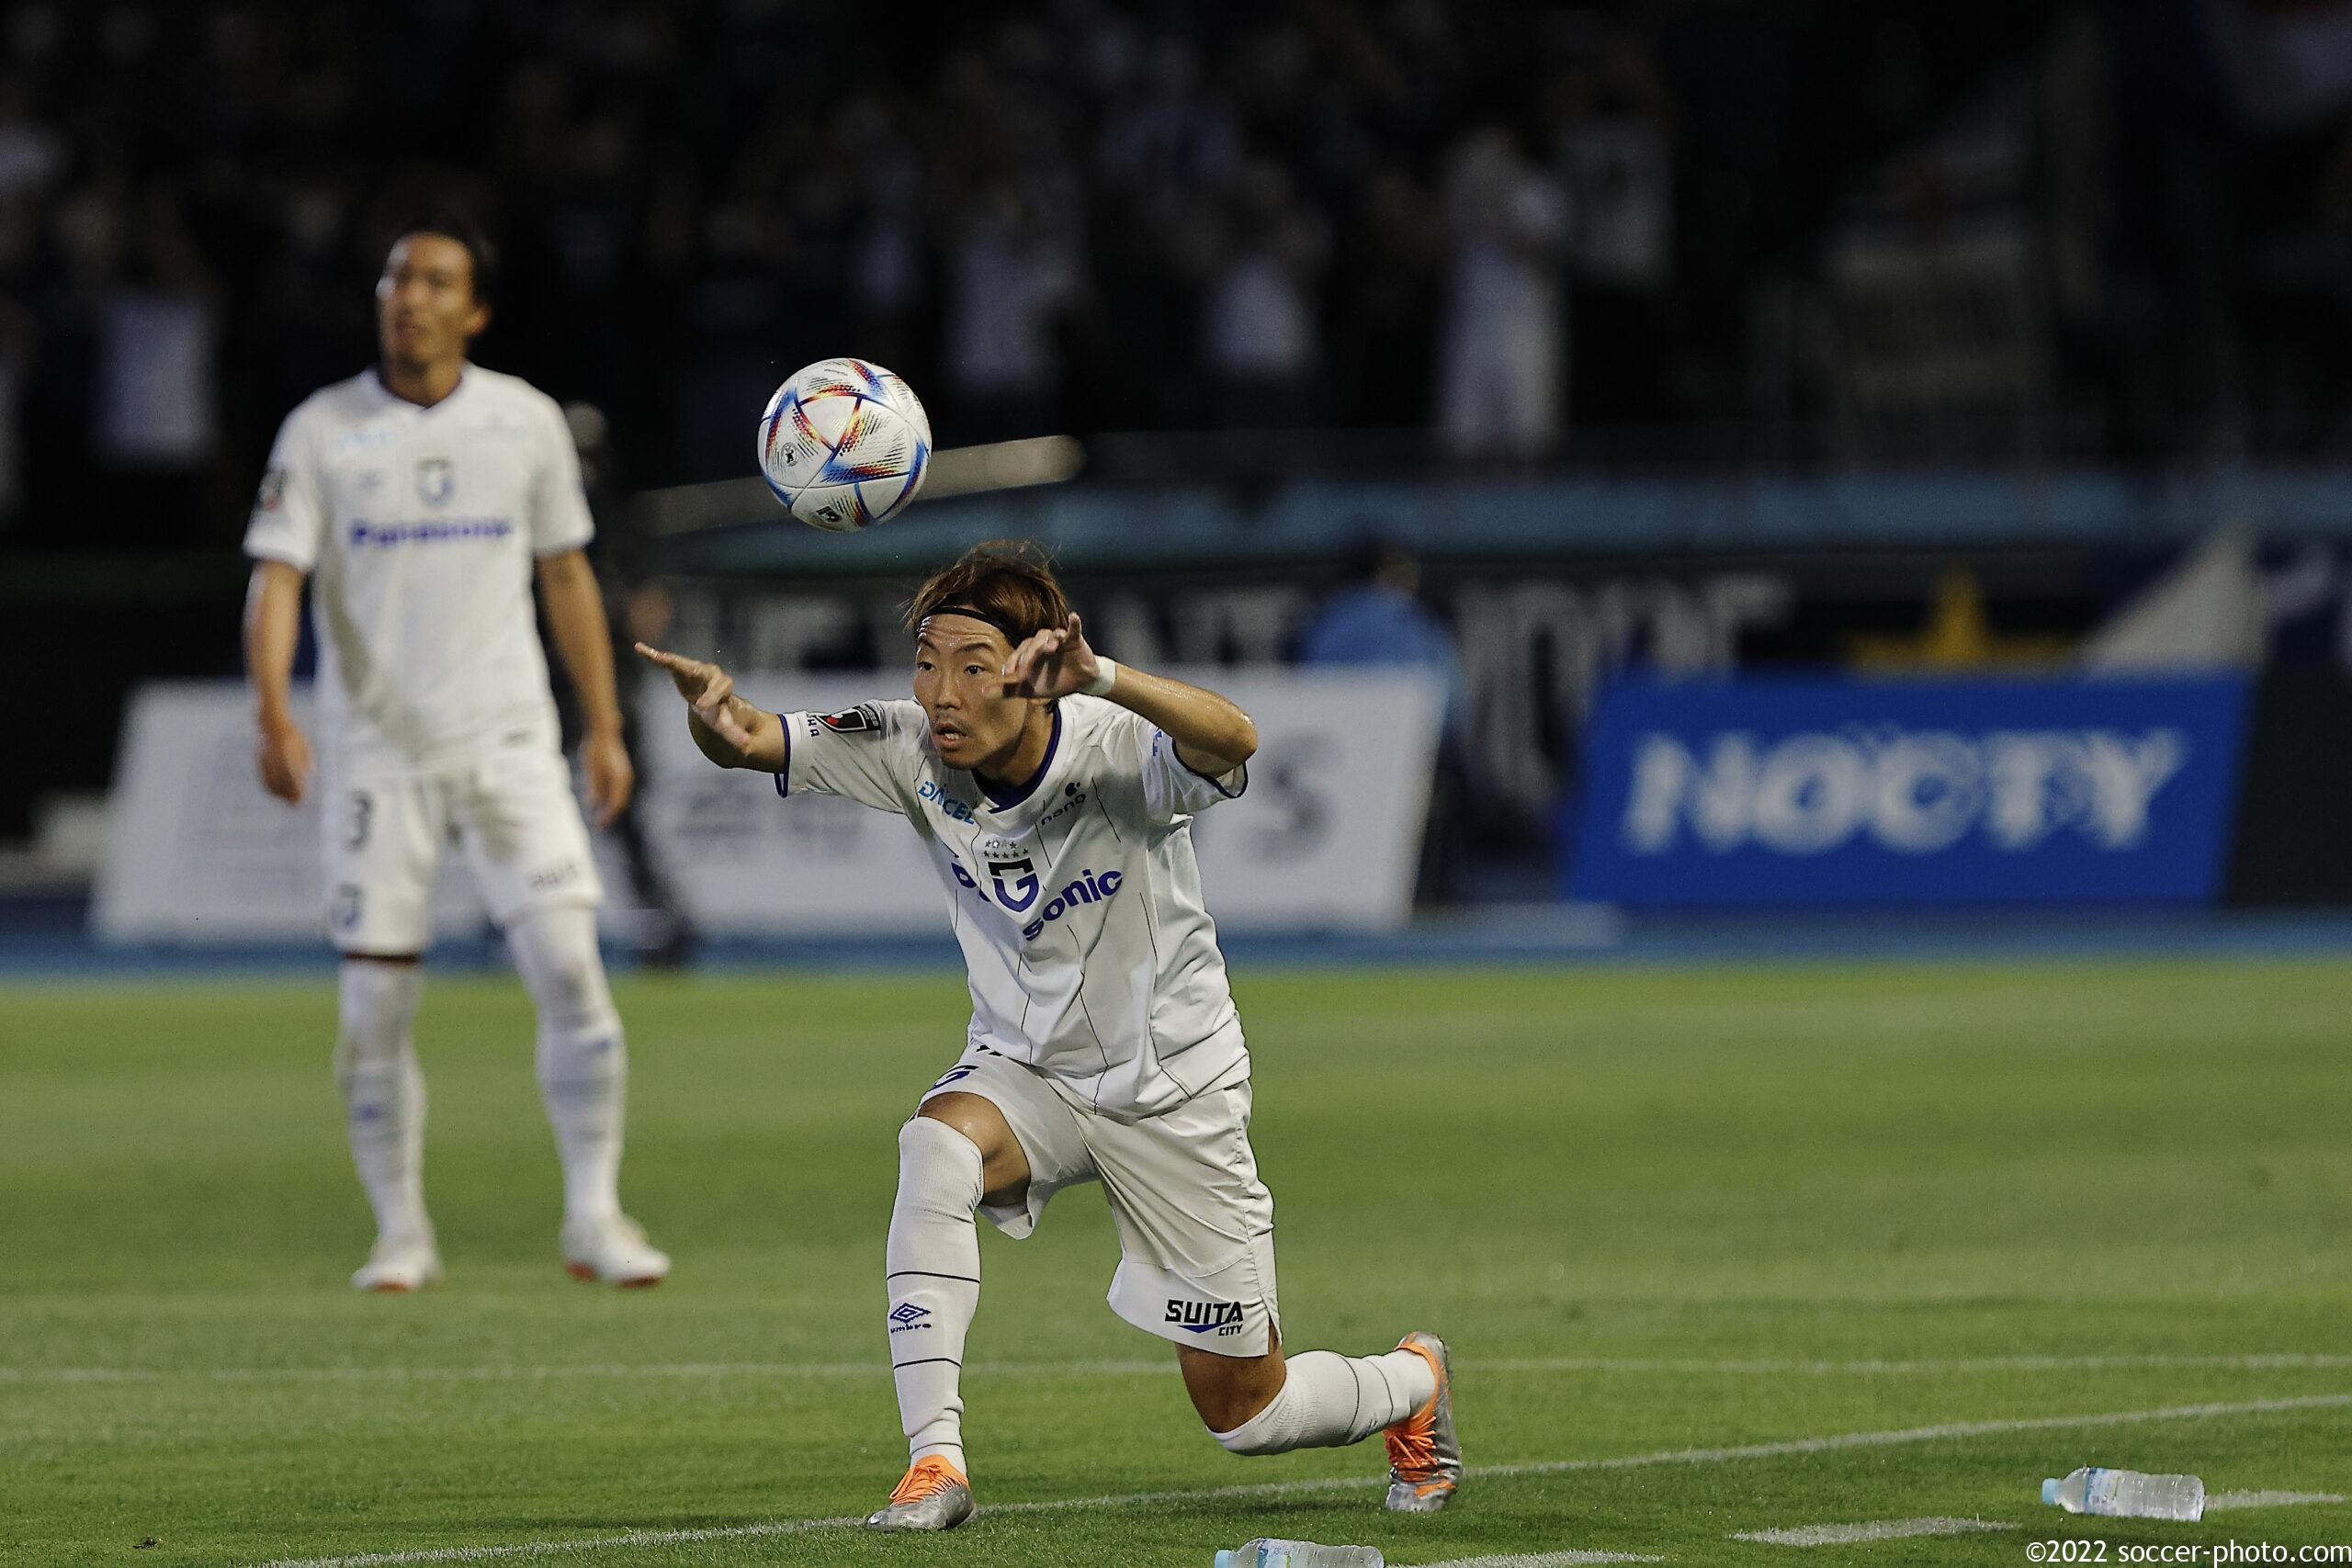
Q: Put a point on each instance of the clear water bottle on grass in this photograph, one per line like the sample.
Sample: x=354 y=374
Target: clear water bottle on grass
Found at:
x=1268 y=1553
x=2128 y=1495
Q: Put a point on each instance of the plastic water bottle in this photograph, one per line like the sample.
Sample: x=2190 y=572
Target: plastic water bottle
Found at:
x=1265 y=1553
x=2128 y=1495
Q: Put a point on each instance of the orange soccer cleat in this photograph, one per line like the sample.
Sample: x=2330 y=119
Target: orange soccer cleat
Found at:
x=933 y=1496
x=1424 y=1454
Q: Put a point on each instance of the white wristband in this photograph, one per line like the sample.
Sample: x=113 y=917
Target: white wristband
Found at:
x=1105 y=676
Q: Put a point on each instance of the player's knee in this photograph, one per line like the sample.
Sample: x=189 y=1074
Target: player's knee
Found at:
x=925 y=1142
x=1238 y=1397
x=938 y=1163
x=1244 y=1418
x=1004 y=1164
x=1241 y=1435
x=556 y=951
x=375 y=1007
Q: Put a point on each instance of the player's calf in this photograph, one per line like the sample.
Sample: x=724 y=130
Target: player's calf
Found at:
x=1322 y=1400
x=581 y=1056
x=383 y=1096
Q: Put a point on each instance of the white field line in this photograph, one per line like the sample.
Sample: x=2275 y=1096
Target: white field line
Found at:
x=876 y=1368
x=2223 y=1502
x=1543 y=1560
x=2280 y=1361
x=1877 y=1529
x=1829 y=1444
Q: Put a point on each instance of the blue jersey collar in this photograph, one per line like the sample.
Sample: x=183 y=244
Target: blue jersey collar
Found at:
x=1020 y=793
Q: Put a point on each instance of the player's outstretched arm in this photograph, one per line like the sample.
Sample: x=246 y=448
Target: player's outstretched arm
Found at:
x=731 y=731
x=1212 y=735
x=273 y=626
x=575 y=607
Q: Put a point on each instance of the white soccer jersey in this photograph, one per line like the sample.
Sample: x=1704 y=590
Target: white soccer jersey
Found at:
x=418 y=527
x=1076 y=900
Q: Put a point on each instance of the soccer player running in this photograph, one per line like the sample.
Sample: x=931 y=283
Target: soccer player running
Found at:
x=1052 y=791
x=419 y=498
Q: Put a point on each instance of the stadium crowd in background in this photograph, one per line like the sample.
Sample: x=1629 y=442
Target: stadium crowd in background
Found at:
x=1510 y=222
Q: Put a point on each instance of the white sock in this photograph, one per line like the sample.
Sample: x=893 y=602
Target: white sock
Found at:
x=582 y=1057
x=934 y=1262
x=383 y=1093
x=1329 y=1400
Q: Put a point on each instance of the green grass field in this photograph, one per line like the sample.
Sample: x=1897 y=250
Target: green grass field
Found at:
x=1939 y=1215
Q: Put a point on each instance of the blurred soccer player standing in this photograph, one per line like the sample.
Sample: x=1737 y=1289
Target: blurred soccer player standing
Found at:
x=419 y=498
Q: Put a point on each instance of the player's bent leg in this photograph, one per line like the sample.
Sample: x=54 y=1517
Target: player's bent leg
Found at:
x=1229 y=1390
x=1271 y=1404
x=956 y=1150
x=383 y=1098
x=582 y=1061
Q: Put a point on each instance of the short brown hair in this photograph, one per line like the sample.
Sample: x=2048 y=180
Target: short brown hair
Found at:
x=1008 y=582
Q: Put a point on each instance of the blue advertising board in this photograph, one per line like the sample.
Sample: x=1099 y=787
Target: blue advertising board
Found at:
x=1827 y=790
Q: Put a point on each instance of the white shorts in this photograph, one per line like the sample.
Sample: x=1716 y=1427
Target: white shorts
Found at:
x=1196 y=1226
x=512 y=813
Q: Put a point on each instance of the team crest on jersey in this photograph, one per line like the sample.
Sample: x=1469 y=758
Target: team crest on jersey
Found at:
x=864 y=719
x=272 y=494
x=436 y=480
x=1023 y=891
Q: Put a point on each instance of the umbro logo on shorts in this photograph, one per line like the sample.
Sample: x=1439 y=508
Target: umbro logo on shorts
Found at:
x=1199 y=1317
x=908 y=1316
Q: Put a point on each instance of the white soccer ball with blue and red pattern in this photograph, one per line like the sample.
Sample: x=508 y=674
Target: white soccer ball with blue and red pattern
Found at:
x=844 y=443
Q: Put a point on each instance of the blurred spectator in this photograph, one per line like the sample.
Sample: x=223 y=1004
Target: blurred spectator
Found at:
x=1615 y=164
x=1382 y=349
x=1012 y=274
x=17 y=338
x=1505 y=341
x=1261 y=337
x=157 y=338
x=31 y=154
x=1379 y=621
x=1171 y=136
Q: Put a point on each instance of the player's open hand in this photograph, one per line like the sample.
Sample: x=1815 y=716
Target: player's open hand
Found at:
x=1051 y=663
x=709 y=690
x=612 y=779
x=284 y=760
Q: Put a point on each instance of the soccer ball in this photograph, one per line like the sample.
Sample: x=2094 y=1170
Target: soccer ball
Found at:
x=844 y=444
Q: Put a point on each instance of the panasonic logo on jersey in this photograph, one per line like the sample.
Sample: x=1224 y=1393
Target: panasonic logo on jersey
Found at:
x=383 y=535
x=1088 y=889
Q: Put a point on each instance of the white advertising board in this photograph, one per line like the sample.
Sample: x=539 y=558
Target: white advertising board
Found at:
x=1328 y=836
